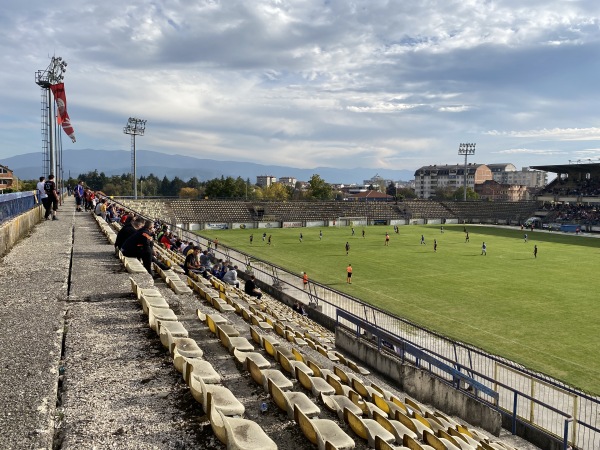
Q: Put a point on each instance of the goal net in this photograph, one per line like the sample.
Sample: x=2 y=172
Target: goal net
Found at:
x=351 y=221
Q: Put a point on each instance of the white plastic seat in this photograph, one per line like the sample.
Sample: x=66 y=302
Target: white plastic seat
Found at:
x=182 y=348
x=238 y=434
x=160 y=314
x=232 y=343
x=222 y=397
x=149 y=301
x=257 y=358
x=169 y=330
x=200 y=368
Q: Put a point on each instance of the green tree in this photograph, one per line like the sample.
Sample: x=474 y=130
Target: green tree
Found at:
x=193 y=183
x=165 y=186
x=275 y=191
x=93 y=180
x=319 y=189
x=175 y=186
x=391 y=189
x=444 y=193
x=459 y=194
x=406 y=193
x=214 y=187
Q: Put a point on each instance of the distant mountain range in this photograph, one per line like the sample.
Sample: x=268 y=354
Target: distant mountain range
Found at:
x=117 y=162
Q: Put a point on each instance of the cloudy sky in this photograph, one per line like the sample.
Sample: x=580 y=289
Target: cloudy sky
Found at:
x=306 y=83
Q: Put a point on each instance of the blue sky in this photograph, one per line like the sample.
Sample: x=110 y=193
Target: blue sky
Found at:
x=365 y=83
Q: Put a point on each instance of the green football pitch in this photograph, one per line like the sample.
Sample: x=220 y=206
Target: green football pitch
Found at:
x=542 y=312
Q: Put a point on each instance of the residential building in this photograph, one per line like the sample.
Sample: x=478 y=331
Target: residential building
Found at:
x=265 y=180
x=494 y=191
x=428 y=179
x=288 y=181
x=6 y=178
x=508 y=174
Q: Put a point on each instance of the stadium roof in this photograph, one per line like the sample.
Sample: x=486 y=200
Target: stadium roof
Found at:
x=570 y=168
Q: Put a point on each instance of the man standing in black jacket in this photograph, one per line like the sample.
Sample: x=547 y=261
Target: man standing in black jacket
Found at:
x=140 y=245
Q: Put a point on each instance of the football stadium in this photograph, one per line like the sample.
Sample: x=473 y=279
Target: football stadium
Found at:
x=519 y=317
x=411 y=324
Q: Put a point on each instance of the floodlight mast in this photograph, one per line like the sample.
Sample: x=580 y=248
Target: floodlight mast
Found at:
x=53 y=74
x=135 y=127
x=466 y=149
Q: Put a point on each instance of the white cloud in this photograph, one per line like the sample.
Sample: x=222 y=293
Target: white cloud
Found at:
x=376 y=83
x=567 y=134
x=531 y=151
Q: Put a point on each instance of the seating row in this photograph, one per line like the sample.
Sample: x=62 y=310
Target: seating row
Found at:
x=371 y=412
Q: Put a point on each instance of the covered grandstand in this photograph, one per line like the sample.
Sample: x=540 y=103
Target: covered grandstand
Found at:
x=572 y=199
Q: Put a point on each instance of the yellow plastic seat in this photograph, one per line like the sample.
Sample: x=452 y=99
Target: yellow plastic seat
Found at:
x=325 y=434
x=231 y=343
x=367 y=429
x=398 y=429
x=262 y=376
x=316 y=385
x=287 y=401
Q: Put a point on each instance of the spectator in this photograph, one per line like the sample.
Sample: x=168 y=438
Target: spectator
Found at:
x=299 y=309
x=79 y=194
x=42 y=196
x=140 y=245
x=191 y=263
x=128 y=230
x=251 y=289
x=166 y=241
x=230 y=277
x=205 y=259
x=52 y=200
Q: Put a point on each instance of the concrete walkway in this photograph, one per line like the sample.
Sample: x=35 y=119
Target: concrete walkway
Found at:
x=79 y=367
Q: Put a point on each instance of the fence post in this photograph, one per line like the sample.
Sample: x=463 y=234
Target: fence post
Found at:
x=566 y=433
x=514 y=417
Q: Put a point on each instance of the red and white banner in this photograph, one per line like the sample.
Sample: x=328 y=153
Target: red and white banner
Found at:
x=62 y=117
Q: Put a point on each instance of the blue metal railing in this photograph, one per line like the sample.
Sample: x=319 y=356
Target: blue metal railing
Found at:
x=13 y=204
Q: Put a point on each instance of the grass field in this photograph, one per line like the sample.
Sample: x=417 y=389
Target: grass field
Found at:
x=542 y=312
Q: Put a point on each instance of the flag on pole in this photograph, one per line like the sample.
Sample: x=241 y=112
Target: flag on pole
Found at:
x=62 y=117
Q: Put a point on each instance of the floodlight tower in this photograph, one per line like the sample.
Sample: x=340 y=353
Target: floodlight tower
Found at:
x=53 y=74
x=466 y=149
x=135 y=127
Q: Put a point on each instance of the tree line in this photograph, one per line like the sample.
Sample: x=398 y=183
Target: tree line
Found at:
x=216 y=188
x=230 y=188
